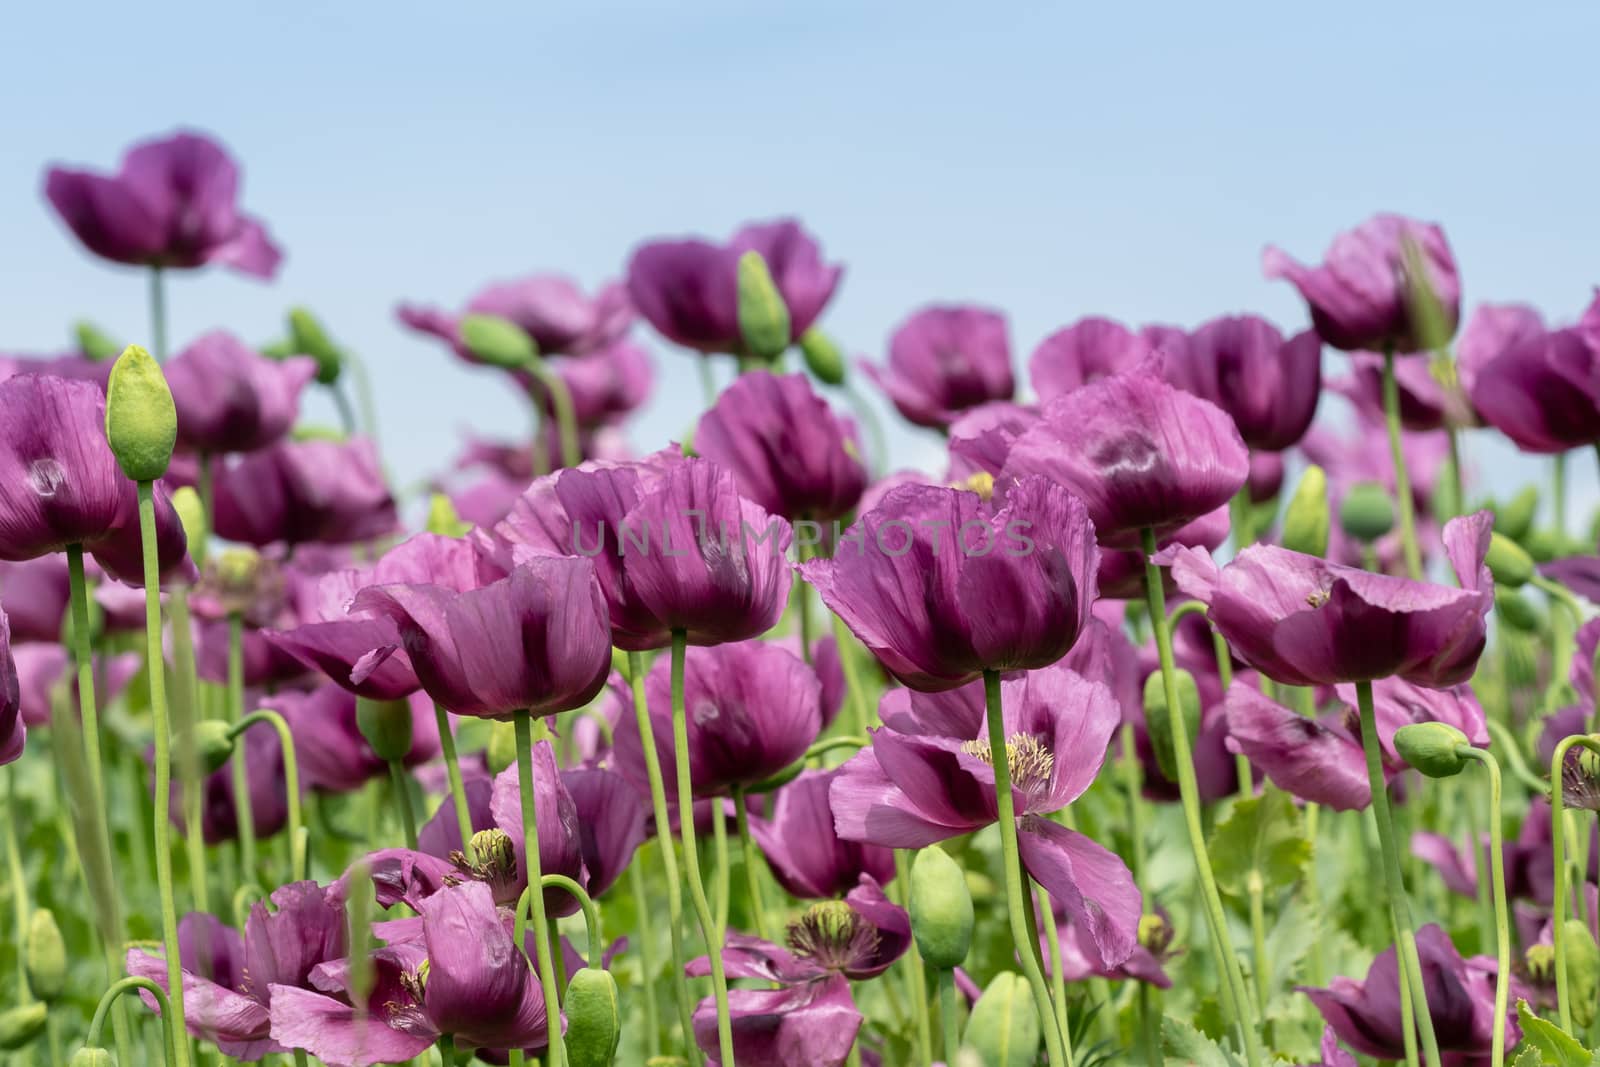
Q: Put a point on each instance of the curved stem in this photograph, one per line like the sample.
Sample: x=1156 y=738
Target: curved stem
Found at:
x=291 y=781
x=530 y=847
x=1187 y=607
x=1405 y=935
x=402 y=793
x=1506 y=743
x=1402 y=477
x=691 y=854
x=1558 y=847
x=458 y=789
x=949 y=1020
x=1458 y=501
x=115 y=990
x=1502 y=920
x=1017 y=898
x=591 y=914
x=1189 y=792
x=561 y=404
x=163 y=758
x=669 y=855
x=752 y=873
x=341 y=403
x=243 y=804
x=245 y=898
x=1258 y=939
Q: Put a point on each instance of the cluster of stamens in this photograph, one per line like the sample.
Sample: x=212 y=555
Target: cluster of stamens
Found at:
x=833 y=935
x=1027 y=758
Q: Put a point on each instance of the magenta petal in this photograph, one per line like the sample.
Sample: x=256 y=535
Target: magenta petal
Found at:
x=1090 y=349
x=560 y=847
x=477 y=977
x=1092 y=884
x=1301 y=755
x=804 y=851
x=238 y=1023
x=336 y=1034
x=809 y=1025
x=868 y=807
x=232 y=399
x=944 y=360
x=611 y=817
x=59 y=483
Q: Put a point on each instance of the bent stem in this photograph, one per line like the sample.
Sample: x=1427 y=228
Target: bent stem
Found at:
x=291 y=781
x=530 y=848
x=242 y=803
x=752 y=874
x=669 y=855
x=126 y=985
x=1402 y=477
x=1018 y=900
x=1502 y=921
x=1405 y=934
x=1558 y=846
x=1189 y=792
x=691 y=855
x=458 y=789
x=561 y=404
x=163 y=787
x=591 y=915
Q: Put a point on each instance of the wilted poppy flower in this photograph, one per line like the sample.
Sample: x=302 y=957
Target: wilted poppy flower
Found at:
x=944 y=360
x=536 y=640
x=1361 y=296
x=1141 y=454
x=786 y=448
x=1536 y=386
x=752 y=709
x=1426 y=402
x=689 y=289
x=1301 y=620
x=299 y=491
x=550 y=309
x=173 y=204
x=1090 y=349
x=229 y=981
x=811 y=1020
x=911 y=790
x=941 y=587
x=231 y=399
x=1460 y=996
x=804 y=851
x=12 y=730
x=41 y=667
x=334 y=756
x=459 y=972
x=1268 y=385
x=35 y=593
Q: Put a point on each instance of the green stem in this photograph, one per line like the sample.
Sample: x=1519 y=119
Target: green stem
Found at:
x=1306 y=697
x=1558 y=848
x=1405 y=934
x=647 y=950
x=88 y=708
x=402 y=793
x=591 y=916
x=242 y=804
x=530 y=846
x=561 y=402
x=691 y=853
x=163 y=757
x=912 y=967
x=854 y=697
x=721 y=890
x=185 y=715
x=1058 y=980
x=708 y=381
x=291 y=781
x=1502 y=915
x=458 y=789
x=1219 y=647
x=158 y=314
x=1133 y=785
x=300 y=1059
x=1458 y=500
x=1149 y=1035
x=207 y=490
x=1402 y=477
x=558 y=956
x=125 y=985
x=1185 y=608
x=752 y=872
x=1258 y=939
x=1189 y=792
x=669 y=855
x=803 y=602
x=19 y=891
x=949 y=1014
x=1016 y=896
x=1507 y=744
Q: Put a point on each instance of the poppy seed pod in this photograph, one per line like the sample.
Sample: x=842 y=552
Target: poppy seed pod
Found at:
x=386 y=725
x=1306 y=521
x=497 y=341
x=46 y=957
x=594 y=1024
x=1514 y=609
x=1509 y=562
x=141 y=419
x=823 y=358
x=1004 y=1027
x=1159 y=722
x=763 y=316
x=1367 y=512
x=941 y=909
x=1431 y=747
x=21 y=1026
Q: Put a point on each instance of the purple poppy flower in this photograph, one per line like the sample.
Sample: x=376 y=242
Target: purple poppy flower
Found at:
x=334 y=756
x=786 y=448
x=1363 y=455
x=173 y=204
x=911 y=790
x=1460 y=995
x=1266 y=478
x=1079 y=960
x=1360 y=297
x=1426 y=402
x=73 y=365
x=231 y=399
x=1243 y=365
x=945 y=360
x=1113 y=443
x=229 y=981
x=689 y=289
x=606 y=385
x=458 y=971
x=536 y=640
x=1121 y=575
x=299 y=491
x=13 y=732
x=35 y=594
x=1301 y=620
x=1088 y=350
x=753 y=708
x=1581 y=574
x=42 y=667
x=1492 y=331
x=1541 y=388
x=550 y=309
x=811 y=1020
x=981 y=439
x=1216 y=770
x=805 y=853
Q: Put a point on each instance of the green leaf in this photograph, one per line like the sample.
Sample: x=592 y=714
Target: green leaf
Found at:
x=1184 y=1044
x=1556 y=1047
x=1262 y=835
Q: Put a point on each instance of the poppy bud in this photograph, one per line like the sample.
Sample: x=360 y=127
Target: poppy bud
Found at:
x=501 y=752
x=1515 y=519
x=386 y=724
x=763 y=316
x=92 y=1057
x=1367 y=513
x=941 y=909
x=20 y=1026
x=1307 y=519
x=1515 y=611
x=308 y=338
x=1004 y=1028
x=1542 y=545
x=1583 y=971
x=443 y=518
x=141 y=419
x=313 y=432
x=212 y=740
x=1158 y=721
x=823 y=357
x=192 y=516
x=1431 y=747
x=594 y=1024
x=1508 y=562
x=93 y=342
x=498 y=342
x=46 y=957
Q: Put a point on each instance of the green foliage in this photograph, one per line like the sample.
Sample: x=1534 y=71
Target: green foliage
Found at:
x=1183 y=1044
x=1556 y=1048
x=1263 y=836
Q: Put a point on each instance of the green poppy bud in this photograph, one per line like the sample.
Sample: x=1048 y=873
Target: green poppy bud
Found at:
x=1307 y=519
x=46 y=957
x=93 y=342
x=386 y=724
x=594 y=1023
x=20 y=1026
x=941 y=908
x=213 y=744
x=192 y=515
x=280 y=349
x=1367 y=512
x=1583 y=971
x=141 y=420
x=314 y=432
x=92 y=1057
x=1158 y=721
x=443 y=518
x=501 y=751
x=823 y=357
x=1432 y=748
x=1508 y=562
x=763 y=316
x=1515 y=519
x=308 y=338
x=498 y=342
x=1515 y=611
x=1542 y=545
x=1004 y=1028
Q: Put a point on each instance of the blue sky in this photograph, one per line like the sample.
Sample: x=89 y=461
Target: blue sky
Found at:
x=1051 y=160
